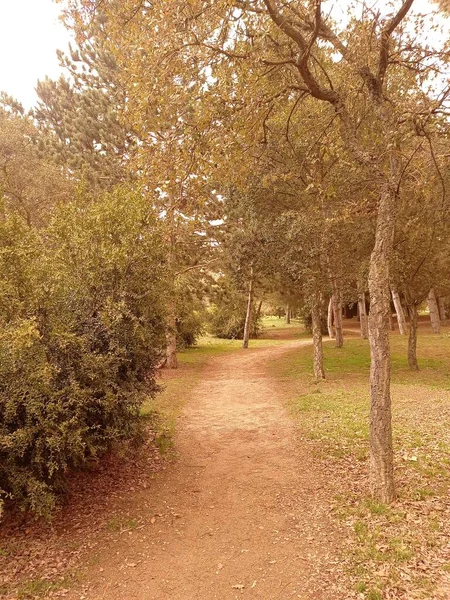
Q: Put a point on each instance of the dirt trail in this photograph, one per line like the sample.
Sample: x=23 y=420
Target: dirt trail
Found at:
x=241 y=514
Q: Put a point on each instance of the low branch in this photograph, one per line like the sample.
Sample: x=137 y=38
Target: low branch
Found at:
x=194 y=267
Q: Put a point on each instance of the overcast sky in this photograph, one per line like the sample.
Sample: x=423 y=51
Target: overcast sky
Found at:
x=30 y=33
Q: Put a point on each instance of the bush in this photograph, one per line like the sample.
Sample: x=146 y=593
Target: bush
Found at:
x=189 y=327
x=81 y=333
x=190 y=321
x=227 y=314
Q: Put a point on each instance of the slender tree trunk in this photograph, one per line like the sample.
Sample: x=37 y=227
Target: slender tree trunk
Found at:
x=381 y=453
x=399 y=311
x=363 y=317
x=171 y=361
x=319 y=371
x=442 y=309
x=330 y=319
x=337 y=311
x=258 y=311
x=288 y=314
x=412 y=338
x=434 y=312
x=248 y=317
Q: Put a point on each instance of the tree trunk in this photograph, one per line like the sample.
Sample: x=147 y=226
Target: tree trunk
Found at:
x=391 y=321
x=381 y=453
x=442 y=309
x=288 y=314
x=258 y=311
x=319 y=371
x=412 y=338
x=399 y=311
x=248 y=317
x=363 y=316
x=337 y=311
x=434 y=312
x=330 y=319
x=171 y=361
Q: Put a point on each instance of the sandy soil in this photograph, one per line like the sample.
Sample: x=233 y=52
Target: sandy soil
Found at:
x=243 y=513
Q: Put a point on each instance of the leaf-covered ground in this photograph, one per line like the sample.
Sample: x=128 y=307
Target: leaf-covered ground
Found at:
x=403 y=550
x=39 y=559
x=124 y=519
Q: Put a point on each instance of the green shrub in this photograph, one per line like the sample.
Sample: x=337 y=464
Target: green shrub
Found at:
x=189 y=327
x=227 y=314
x=81 y=334
x=190 y=309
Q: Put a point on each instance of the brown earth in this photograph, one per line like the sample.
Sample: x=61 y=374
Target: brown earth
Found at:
x=244 y=511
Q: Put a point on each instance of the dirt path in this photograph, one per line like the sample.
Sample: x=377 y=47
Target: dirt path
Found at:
x=243 y=511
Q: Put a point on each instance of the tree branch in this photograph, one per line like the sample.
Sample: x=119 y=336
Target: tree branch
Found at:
x=314 y=87
x=386 y=38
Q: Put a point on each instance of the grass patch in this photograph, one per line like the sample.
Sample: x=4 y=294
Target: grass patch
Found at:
x=387 y=541
x=41 y=588
x=120 y=524
x=272 y=322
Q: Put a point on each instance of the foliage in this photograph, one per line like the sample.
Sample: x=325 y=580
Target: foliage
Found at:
x=82 y=327
x=189 y=322
x=30 y=185
x=227 y=313
x=79 y=115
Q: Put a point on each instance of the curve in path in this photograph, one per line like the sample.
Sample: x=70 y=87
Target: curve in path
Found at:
x=243 y=513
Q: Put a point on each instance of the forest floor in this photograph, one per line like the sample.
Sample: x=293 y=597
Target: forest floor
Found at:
x=262 y=491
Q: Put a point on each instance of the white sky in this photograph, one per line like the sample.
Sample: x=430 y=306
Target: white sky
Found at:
x=30 y=33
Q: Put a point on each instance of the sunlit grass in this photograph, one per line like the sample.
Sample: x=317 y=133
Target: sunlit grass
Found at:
x=280 y=322
x=388 y=541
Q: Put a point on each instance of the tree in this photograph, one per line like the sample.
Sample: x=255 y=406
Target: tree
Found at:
x=421 y=251
x=82 y=115
x=30 y=186
x=371 y=95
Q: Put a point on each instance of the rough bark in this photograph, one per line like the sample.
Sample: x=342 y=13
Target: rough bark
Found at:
x=319 y=371
x=399 y=311
x=363 y=317
x=381 y=453
x=412 y=338
x=248 y=316
x=442 y=308
x=330 y=319
x=434 y=312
